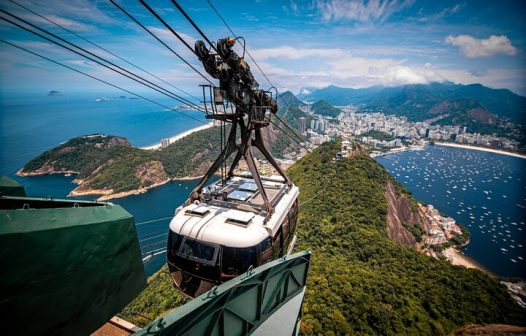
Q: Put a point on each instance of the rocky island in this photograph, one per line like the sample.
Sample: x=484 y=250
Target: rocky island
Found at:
x=54 y=93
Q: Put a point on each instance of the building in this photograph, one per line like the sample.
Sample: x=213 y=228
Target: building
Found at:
x=321 y=126
x=302 y=125
x=165 y=142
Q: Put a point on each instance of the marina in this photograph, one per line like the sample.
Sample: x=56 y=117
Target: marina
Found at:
x=483 y=191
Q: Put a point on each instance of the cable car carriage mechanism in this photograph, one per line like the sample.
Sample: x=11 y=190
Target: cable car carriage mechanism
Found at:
x=242 y=220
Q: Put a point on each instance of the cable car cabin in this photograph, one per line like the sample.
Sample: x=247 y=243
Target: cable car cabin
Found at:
x=213 y=241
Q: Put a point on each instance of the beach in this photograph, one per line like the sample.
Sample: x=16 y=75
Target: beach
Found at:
x=180 y=136
x=455 y=257
x=484 y=149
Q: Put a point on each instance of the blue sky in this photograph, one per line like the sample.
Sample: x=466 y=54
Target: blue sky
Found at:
x=297 y=43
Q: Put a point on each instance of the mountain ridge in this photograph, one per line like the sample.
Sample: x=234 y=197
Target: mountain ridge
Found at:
x=422 y=97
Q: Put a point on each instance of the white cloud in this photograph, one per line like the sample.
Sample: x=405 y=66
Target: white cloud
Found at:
x=165 y=35
x=69 y=24
x=296 y=53
x=360 y=10
x=472 y=47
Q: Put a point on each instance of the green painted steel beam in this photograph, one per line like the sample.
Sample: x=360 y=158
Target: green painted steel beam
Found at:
x=9 y=187
x=241 y=305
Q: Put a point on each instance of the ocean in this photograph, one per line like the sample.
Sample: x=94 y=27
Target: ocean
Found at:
x=31 y=125
x=484 y=191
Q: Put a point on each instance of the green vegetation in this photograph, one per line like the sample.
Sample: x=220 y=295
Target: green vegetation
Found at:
x=378 y=135
x=288 y=98
x=159 y=297
x=324 y=108
x=291 y=115
x=416 y=100
x=361 y=282
x=109 y=162
x=82 y=154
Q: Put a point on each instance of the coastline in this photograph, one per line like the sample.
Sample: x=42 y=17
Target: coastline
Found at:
x=180 y=136
x=457 y=258
x=107 y=194
x=483 y=149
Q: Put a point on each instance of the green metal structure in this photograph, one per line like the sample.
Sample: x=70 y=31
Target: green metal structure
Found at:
x=67 y=266
x=9 y=187
x=266 y=300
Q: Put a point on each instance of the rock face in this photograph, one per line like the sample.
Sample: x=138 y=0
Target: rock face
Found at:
x=151 y=173
x=400 y=215
x=490 y=329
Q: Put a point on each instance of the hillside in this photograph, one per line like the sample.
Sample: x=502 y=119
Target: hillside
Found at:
x=110 y=166
x=362 y=282
x=324 y=108
x=422 y=101
x=287 y=98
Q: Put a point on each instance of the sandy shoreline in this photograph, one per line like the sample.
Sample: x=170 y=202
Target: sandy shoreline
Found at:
x=455 y=257
x=180 y=136
x=483 y=149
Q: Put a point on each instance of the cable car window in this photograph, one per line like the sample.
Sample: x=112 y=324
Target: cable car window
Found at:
x=285 y=226
x=174 y=242
x=265 y=250
x=237 y=260
x=193 y=249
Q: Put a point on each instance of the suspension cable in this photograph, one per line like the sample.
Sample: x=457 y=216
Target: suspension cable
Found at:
x=193 y=24
x=140 y=80
x=100 y=80
x=153 y=220
x=102 y=48
x=235 y=36
x=150 y=9
x=158 y=39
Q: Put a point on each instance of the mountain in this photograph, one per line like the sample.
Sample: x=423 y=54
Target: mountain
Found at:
x=110 y=166
x=417 y=101
x=365 y=277
x=305 y=91
x=288 y=98
x=322 y=107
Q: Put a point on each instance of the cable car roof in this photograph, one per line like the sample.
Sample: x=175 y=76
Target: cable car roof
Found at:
x=237 y=221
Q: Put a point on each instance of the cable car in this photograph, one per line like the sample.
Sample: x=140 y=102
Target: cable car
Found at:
x=214 y=241
x=243 y=220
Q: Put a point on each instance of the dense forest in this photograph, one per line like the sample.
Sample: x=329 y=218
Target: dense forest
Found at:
x=361 y=282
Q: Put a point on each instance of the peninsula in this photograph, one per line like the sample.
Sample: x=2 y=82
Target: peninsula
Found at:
x=111 y=167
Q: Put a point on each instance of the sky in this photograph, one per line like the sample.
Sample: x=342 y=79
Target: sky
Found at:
x=297 y=44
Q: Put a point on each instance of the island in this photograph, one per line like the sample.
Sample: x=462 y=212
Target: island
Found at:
x=54 y=93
